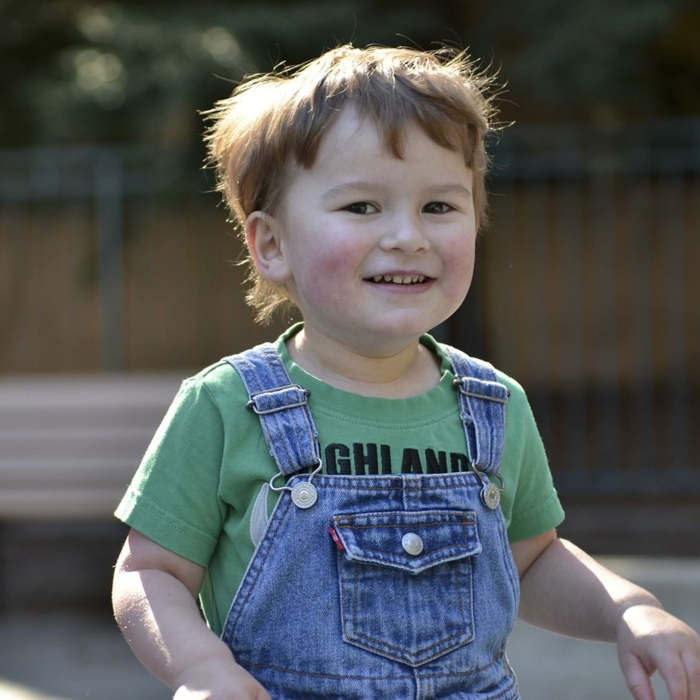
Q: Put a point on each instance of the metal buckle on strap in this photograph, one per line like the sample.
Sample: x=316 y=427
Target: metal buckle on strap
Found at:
x=304 y=493
x=263 y=403
x=461 y=381
x=490 y=494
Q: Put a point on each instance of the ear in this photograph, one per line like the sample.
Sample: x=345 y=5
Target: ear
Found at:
x=263 y=236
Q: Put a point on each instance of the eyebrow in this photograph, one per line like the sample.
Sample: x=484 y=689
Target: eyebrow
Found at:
x=353 y=185
x=345 y=187
x=451 y=187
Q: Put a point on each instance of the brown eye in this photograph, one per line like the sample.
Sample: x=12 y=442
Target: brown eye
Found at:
x=437 y=208
x=361 y=208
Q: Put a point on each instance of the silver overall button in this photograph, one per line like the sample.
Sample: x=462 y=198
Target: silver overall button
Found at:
x=412 y=544
x=304 y=495
x=491 y=496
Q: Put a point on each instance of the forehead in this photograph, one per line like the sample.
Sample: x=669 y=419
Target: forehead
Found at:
x=356 y=145
x=350 y=132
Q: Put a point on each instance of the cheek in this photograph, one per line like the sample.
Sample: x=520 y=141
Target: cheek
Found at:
x=460 y=253
x=327 y=268
x=336 y=261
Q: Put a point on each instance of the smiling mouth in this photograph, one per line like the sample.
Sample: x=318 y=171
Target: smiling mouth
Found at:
x=399 y=279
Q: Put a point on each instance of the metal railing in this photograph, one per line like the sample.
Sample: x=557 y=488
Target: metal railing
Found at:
x=609 y=223
x=586 y=288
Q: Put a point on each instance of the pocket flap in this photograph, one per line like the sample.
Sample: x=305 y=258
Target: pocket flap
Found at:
x=409 y=540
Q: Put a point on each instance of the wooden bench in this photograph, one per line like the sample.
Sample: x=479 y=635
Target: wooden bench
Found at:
x=69 y=445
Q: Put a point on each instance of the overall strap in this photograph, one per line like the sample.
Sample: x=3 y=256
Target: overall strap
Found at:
x=281 y=406
x=482 y=402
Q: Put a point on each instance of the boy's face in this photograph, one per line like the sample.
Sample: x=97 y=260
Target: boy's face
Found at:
x=376 y=250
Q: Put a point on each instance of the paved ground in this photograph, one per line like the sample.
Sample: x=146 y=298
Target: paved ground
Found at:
x=58 y=656
x=551 y=667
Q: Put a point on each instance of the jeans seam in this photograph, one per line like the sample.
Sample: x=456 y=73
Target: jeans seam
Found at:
x=334 y=676
x=410 y=673
x=241 y=603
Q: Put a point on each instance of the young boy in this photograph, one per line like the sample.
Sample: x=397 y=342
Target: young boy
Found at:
x=360 y=509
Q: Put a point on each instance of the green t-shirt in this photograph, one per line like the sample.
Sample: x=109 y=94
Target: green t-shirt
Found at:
x=197 y=483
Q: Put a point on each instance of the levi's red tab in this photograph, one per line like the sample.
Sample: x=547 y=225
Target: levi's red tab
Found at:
x=334 y=536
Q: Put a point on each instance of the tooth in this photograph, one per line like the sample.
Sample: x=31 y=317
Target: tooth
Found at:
x=377 y=278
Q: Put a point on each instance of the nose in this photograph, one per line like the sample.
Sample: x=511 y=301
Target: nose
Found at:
x=405 y=234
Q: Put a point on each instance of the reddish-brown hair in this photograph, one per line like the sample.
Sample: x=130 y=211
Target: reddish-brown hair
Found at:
x=273 y=119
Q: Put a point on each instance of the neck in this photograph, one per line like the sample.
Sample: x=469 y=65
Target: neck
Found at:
x=400 y=373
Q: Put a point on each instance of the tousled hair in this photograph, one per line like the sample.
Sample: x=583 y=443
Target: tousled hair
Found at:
x=274 y=119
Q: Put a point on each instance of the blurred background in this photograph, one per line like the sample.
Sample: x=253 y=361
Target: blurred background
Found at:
x=118 y=276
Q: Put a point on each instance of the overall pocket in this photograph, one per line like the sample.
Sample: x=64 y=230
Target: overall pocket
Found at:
x=406 y=581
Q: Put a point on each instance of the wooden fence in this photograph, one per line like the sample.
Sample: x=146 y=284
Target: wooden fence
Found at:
x=586 y=288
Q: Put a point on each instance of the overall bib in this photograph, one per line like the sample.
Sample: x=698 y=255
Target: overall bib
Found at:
x=379 y=586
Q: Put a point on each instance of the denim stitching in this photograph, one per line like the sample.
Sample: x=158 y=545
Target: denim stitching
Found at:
x=381 y=644
x=257 y=569
x=286 y=437
x=324 y=675
x=468 y=672
x=349 y=526
x=300 y=424
x=398 y=558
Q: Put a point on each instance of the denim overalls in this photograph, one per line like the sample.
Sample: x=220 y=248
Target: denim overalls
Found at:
x=382 y=586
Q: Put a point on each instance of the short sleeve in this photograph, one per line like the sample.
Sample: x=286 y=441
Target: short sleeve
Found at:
x=173 y=498
x=532 y=505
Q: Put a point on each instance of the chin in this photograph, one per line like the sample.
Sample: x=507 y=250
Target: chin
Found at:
x=411 y=325
x=399 y=334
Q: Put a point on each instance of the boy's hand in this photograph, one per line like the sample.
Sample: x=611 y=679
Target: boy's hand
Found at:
x=650 y=639
x=212 y=680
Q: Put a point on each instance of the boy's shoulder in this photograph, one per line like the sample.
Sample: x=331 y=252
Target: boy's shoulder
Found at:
x=217 y=380
x=515 y=388
x=220 y=379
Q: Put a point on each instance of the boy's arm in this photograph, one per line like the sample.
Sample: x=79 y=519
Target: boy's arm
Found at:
x=154 y=600
x=565 y=590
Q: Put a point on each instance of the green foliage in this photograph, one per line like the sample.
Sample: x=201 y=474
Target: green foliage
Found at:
x=590 y=60
x=137 y=71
